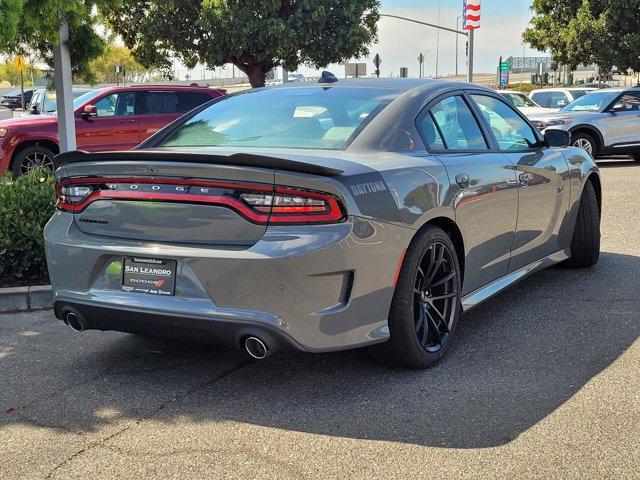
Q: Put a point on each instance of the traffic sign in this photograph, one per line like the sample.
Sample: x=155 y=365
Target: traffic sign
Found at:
x=19 y=63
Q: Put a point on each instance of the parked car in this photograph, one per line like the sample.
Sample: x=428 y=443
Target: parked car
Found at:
x=113 y=118
x=603 y=122
x=522 y=102
x=295 y=77
x=44 y=101
x=12 y=100
x=557 y=98
x=320 y=217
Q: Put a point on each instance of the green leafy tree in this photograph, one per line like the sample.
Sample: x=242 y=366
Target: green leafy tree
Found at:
x=601 y=32
x=103 y=67
x=33 y=25
x=10 y=73
x=254 y=35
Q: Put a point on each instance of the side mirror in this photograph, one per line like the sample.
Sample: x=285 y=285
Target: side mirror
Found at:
x=89 y=111
x=555 y=138
x=562 y=103
x=34 y=110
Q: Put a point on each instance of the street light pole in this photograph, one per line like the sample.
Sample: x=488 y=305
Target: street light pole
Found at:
x=457 y=39
x=438 y=40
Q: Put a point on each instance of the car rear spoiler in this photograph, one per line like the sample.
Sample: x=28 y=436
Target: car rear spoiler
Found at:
x=240 y=159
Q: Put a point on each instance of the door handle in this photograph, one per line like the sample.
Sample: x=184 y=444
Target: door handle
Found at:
x=462 y=179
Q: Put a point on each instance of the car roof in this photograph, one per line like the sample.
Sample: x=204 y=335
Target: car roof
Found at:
x=400 y=84
x=187 y=88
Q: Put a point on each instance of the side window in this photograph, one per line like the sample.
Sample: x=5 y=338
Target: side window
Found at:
x=558 y=99
x=510 y=130
x=430 y=133
x=118 y=104
x=36 y=102
x=458 y=126
x=541 y=98
x=187 y=101
x=161 y=103
x=631 y=101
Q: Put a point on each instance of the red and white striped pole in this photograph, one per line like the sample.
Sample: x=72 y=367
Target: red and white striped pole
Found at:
x=471 y=14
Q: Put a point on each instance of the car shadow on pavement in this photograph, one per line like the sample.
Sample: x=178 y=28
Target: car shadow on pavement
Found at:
x=517 y=359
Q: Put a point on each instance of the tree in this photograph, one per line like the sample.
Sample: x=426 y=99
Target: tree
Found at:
x=601 y=32
x=103 y=67
x=254 y=35
x=10 y=73
x=32 y=26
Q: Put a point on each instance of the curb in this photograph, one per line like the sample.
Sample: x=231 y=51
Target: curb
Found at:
x=22 y=299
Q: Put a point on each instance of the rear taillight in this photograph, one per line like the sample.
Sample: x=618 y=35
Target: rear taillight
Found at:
x=258 y=203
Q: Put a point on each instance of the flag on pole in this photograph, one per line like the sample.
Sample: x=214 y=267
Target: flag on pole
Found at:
x=471 y=14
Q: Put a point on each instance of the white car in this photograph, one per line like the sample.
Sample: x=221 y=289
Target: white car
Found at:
x=557 y=98
x=523 y=103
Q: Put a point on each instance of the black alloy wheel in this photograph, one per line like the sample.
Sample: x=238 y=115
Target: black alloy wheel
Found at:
x=435 y=297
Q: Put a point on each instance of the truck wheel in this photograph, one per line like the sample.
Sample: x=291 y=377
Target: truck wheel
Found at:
x=31 y=158
x=426 y=308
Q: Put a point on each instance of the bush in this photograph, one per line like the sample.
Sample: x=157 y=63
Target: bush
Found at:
x=26 y=204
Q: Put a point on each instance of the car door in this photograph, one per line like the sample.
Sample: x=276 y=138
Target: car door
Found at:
x=158 y=109
x=623 y=121
x=542 y=175
x=114 y=128
x=483 y=189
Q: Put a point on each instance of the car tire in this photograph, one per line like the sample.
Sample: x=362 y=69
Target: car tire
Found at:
x=585 y=244
x=586 y=142
x=419 y=337
x=31 y=157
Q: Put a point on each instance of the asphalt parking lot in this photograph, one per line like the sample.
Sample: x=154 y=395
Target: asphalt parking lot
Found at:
x=543 y=382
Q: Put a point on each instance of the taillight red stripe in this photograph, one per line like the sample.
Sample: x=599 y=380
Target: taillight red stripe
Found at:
x=276 y=214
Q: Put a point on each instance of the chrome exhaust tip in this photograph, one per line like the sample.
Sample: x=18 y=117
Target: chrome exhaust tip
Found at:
x=75 y=322
x=256 y=348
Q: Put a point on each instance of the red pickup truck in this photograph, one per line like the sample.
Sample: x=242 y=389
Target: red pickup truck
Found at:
x=112 y=118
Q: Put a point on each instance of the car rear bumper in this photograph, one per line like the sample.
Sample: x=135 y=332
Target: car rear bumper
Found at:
x=313 y=288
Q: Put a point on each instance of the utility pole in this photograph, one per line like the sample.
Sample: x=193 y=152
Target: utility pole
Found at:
x=524 y=47
x=468 y=34
x=64 y=95
x=457 y=39
x=438 y=40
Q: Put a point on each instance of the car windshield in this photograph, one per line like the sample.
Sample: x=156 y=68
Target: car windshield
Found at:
x=592 y=102
x=520 y=100
x=309 y=117
x=578 y=93
x=85 y=97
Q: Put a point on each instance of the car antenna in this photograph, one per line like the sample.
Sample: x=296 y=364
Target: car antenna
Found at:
x=327 y=77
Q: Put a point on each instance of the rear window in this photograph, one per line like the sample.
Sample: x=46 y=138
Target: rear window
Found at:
x=308 y=117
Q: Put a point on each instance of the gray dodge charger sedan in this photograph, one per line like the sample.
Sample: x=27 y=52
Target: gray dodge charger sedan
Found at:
x=320 y=217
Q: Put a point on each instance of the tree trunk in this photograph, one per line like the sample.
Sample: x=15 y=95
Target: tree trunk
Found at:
x=257 y=73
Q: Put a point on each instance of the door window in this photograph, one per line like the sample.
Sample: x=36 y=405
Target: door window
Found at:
x=631 y=101
x=558 y=99
x=457 y=126
x=117 y=105
x=510 y=130
x=541 y=98
x=161 y=103
x=187 y=101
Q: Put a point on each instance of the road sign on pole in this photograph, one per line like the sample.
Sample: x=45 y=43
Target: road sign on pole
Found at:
x=504 y=69
x=377 y=62
x=19 y=63
x=471 y=12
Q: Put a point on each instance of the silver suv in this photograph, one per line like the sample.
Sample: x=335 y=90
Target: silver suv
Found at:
x=603 y=122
